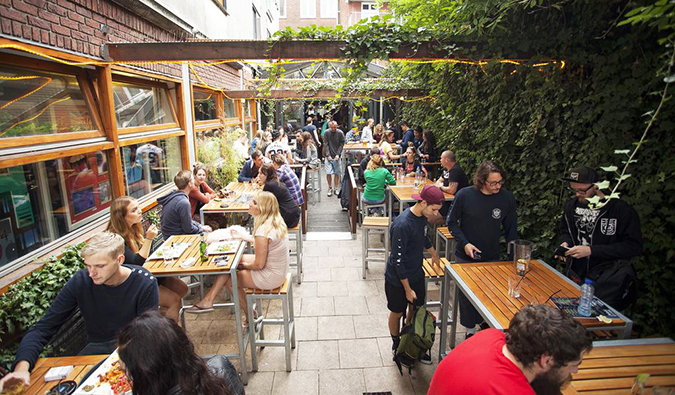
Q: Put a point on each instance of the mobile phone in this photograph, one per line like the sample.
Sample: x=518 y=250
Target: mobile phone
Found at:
x=477 y=256
x=560 y=251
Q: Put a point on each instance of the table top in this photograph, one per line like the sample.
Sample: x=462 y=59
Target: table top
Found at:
x=357 y=146
x=611 y=369
x=157 y=267
x=403 y=190
x=488 y=281
x=239 y=188
x=82 y=365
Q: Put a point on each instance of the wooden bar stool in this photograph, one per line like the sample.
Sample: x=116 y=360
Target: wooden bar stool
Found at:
x=297 y=232
x=379 y=225
x=436 y=274
x=256 y=332
x=443 y=233
x=364 y=208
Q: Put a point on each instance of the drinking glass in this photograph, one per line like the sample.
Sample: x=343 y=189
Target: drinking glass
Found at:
x=515 y=286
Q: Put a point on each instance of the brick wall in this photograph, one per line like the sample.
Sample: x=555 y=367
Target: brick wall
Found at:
x=75 y=25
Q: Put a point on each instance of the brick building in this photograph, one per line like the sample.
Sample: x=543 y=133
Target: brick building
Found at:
x=297 y=13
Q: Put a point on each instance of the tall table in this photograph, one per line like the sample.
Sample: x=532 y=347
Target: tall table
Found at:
x=237 y=203
x=81 y=366
x=611 y=367
x=485 y=284
x=403 y=191
x=159 y=269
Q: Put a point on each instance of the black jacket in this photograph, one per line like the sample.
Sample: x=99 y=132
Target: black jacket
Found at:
x=615 y=234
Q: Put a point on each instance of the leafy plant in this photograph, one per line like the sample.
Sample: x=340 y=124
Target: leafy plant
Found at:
x=215 y=150
x=27 y=300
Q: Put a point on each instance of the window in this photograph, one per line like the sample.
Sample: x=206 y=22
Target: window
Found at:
x=256 y=24
x=43 y=201
x=282 y=8
x=247 y=107
x=228 y=108
x=329 y=8
x=150 y=165
x=205 y=105
x=38 y=103
x=137 y=105
x=307 y=8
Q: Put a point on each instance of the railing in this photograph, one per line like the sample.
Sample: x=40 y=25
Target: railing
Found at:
x=353 y=209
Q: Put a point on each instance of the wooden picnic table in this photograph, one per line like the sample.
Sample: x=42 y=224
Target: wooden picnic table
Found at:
x=82 y=365
x=209 y=267
x=485 y=284
x=403 y=191
x=611 y=367
x=235 y=203
x=357 y=146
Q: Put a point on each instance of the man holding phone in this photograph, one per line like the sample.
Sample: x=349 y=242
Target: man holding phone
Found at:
x=596 y=242
x=475 y=220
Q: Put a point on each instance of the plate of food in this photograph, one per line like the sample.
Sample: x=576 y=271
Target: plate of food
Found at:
x=223 y=247
x=176 y=249
x=108 y=379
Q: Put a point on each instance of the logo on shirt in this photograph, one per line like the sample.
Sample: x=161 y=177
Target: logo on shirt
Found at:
x=496 y=213
x=608 y=226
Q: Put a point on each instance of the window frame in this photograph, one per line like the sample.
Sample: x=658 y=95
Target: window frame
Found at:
x=151 y=84
x=329 y=9
x=307 y=9
x=282 y=9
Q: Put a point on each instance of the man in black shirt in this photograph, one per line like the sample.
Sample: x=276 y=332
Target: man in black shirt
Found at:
x=452 y=180
x=108 y=294
x=605 y=236
x=475 y=219
x=404 y=276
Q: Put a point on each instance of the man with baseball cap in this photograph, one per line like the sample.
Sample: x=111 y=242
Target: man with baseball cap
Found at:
x=278 y=147
x=404 y=276
x=597 y=241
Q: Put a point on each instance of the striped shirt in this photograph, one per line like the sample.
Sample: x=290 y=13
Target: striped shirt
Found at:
x=288 y=177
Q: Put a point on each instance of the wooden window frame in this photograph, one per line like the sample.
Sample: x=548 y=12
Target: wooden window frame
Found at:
x=153 y=84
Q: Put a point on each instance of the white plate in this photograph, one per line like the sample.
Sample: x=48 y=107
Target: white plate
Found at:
x=178 y=249
x=93 y=379
x=223 y=247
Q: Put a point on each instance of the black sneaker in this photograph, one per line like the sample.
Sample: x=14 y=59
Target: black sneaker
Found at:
x=468 y=335
x=484 y=325
x=426 y=359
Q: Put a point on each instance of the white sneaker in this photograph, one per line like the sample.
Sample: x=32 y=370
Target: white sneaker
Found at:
x=330 y=192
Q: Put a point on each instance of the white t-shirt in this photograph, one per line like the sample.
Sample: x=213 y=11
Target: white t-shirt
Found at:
x=275 y=148
x=367 y=134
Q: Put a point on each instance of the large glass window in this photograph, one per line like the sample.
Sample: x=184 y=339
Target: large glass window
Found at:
x=150 y=165
x=307 y=8
x=247 y=107
x=205 y=105
x=329 y=8
x=293 y=113
x=228 y=106
x=137 y=105
x=38 y=103
x=43 y=201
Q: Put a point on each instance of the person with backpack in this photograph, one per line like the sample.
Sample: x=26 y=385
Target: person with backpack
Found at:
x=404 y=275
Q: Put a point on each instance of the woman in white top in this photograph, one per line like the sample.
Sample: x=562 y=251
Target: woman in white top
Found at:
x=267 y=268
x=387 y=150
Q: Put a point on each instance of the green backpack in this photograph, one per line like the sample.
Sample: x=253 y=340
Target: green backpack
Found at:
x=416 y=339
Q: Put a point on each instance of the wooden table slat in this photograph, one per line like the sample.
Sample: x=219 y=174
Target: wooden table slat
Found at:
x=81 y=366
x=591 y=363
x=623 y=383
x=638 y=350
x=239 y=188
x=480 y=292
x=624 y=371
x=158 y=268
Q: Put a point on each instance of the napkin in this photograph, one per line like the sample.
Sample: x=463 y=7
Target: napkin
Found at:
x=187 y=263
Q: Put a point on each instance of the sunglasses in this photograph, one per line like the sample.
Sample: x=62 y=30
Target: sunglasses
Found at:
x=580 y=191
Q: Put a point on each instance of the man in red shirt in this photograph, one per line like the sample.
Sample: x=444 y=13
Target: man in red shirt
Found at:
x=538 y=354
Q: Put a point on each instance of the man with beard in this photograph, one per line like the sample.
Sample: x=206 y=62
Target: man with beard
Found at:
x=538 y=354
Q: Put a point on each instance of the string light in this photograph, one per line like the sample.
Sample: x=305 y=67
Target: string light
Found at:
x=35 y=116
x=28 y=77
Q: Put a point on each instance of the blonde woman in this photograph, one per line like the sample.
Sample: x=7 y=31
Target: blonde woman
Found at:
x=125 y=220
x=378 y=131
x=377 y=179
x=267 y=268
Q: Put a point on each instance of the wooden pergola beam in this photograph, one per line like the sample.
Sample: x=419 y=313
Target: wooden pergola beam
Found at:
x=257 y=49
x=322 y=94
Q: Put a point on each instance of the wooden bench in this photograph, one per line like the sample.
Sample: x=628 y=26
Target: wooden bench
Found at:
x=379 y=225
x=256 y=329
x=443 y=234
x=436 y=274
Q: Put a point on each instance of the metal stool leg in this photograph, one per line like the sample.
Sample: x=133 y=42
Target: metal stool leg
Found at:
x=287 y=334
x=254 y=350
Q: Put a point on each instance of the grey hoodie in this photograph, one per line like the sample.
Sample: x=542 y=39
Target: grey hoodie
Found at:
x=175 y=217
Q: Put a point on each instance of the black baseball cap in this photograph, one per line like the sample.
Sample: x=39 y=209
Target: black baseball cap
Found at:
x=275 y=134
x=582 y=175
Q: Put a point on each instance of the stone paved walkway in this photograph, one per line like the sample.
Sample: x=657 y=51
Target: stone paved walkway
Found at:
x=343 y=345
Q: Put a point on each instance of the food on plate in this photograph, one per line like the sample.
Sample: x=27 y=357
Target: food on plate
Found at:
x=14 y=387
x=116 y=378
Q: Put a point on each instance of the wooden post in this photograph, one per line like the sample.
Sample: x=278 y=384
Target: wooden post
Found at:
x=107 y=111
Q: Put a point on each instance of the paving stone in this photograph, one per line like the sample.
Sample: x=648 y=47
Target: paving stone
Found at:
x=388 y=378
x=306 y=328
x=339 y=382
x=260 y=383
x=333 y=288
x=317 y=306
x=336 y=327
x=304 y=382
x=350 y=305
x=359 y=353
x=369 y=326
x=318 y=355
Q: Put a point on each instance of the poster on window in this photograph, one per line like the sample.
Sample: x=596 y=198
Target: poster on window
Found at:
x=87 y=186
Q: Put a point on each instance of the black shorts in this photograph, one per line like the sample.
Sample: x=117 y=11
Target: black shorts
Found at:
x=396 y=301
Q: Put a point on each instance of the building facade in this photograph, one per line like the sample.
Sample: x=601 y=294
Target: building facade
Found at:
x=297 y=13
x=76 y=131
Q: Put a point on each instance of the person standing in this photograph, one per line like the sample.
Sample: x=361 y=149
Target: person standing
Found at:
x=475 y=220
x=608 y=236
x=367 y=132
x=452 y=180
x=335 y=141
x=311 y=129
x=404 y=275
x=540 y=351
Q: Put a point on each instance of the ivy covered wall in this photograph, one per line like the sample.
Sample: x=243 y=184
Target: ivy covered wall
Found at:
x=539 y=122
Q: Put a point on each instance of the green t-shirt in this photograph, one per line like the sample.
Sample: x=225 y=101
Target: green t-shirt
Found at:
x=376 y=181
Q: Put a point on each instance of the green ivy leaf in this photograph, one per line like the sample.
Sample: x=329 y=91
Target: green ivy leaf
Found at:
x=621 y=151
x=603 y=184
x=609 y=168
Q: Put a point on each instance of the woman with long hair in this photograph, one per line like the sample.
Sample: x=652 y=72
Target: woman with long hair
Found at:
x=288 y=206
x=201 y=193
x=377 y=133
x=387 y=150
x=377 y=178
x=310 y=154
x=427 y=150
x=126 y=220
x=410 y=164
x=159 y=359
x=267 y=268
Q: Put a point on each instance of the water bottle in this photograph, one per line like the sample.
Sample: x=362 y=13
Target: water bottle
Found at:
x=586 y=299
x=202 y=248
x=418 y=178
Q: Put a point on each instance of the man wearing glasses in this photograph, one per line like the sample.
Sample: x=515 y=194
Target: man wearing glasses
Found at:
x=599 y=242
x=475 y=220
